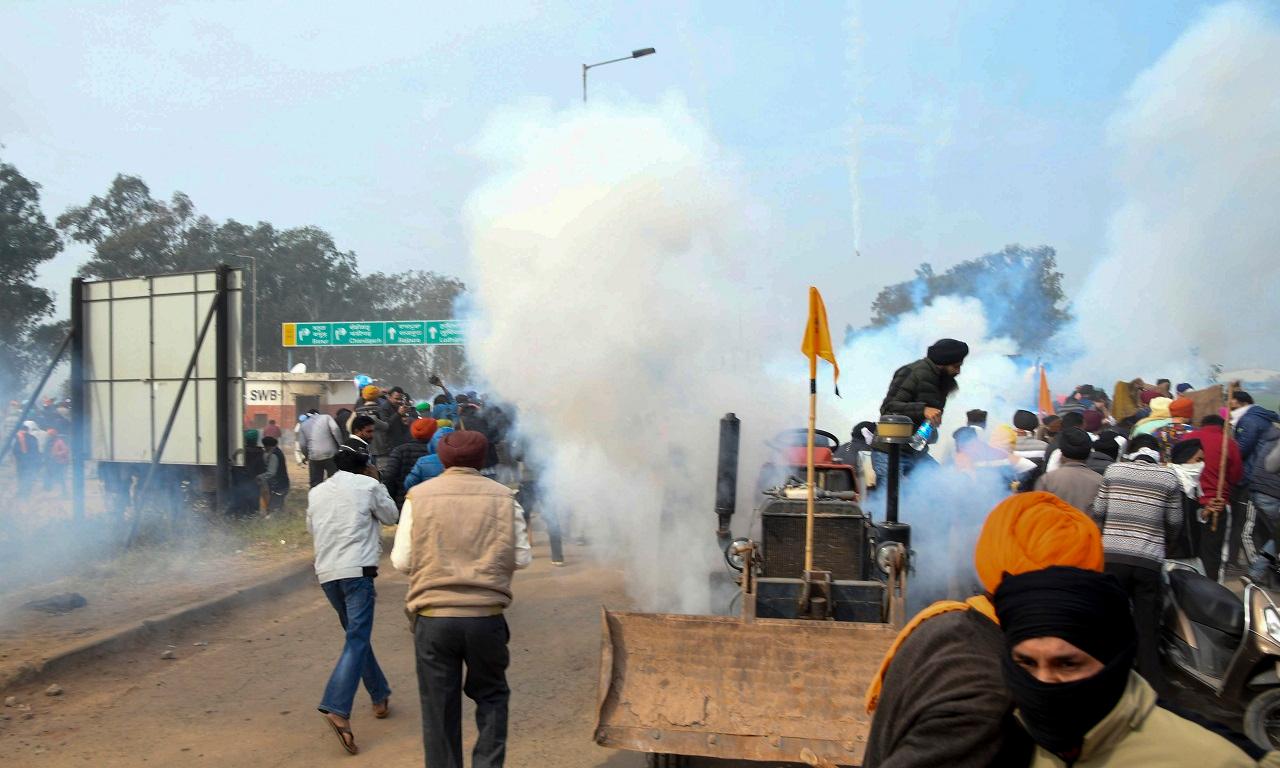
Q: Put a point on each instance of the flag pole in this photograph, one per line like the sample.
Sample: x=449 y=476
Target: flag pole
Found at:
x=813 y=418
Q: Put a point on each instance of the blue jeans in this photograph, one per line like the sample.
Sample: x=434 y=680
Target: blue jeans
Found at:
x=353 y=599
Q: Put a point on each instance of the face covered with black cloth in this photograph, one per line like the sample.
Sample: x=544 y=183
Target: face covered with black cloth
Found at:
x=1071 y=642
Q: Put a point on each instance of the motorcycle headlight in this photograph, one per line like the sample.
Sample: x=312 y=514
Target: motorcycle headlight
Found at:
x=1272 y=617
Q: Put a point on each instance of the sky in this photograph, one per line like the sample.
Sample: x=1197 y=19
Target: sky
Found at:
x=870 y=137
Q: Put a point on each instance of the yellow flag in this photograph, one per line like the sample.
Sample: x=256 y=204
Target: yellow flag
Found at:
x=817 y=338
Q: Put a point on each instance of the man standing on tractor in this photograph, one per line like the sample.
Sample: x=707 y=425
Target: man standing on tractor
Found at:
x=919 y=391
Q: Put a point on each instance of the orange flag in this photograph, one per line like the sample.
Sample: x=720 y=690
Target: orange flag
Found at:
x=817 y=338
x=1046 y=399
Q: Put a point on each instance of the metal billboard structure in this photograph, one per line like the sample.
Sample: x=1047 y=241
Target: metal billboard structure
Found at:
x=157 y=374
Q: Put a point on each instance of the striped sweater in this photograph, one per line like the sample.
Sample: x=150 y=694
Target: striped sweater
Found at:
x=1137 y=502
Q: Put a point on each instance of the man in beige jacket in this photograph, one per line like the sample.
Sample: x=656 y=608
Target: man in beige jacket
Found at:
x=461 y=537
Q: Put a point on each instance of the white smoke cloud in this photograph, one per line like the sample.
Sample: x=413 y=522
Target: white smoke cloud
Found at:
x=1191 y=260
x=615 y=310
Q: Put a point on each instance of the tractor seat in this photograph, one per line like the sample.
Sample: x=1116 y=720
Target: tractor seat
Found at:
x=1207 y=602
x=798 y=455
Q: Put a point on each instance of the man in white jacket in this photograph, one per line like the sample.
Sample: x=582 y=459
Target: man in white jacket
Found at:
x=345 y=515
x=318 y=440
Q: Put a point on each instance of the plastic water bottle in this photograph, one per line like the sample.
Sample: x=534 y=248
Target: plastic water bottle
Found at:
x=920 y=440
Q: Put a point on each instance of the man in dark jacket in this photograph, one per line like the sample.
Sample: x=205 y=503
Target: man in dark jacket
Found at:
x=919 y=391
x=1264 y=496
x=1250 y=422
x=274 y=481
x=403 y=457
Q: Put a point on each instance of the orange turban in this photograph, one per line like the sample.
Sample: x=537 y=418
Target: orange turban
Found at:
x=370 y=392
x=1182 y=408
x=1031 y=531
x=1025 y=532
x=422 y=429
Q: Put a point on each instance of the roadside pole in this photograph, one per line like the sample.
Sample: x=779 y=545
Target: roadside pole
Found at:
x=79 y=403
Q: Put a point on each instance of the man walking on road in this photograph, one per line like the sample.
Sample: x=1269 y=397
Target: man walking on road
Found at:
x=461 y=537
x=318 y=439
x=345 y=515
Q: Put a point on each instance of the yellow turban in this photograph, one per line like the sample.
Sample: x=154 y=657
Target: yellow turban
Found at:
x=370 y=392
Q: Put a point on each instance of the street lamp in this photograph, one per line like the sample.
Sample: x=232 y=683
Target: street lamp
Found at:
x=253 y=297
x=634 y=55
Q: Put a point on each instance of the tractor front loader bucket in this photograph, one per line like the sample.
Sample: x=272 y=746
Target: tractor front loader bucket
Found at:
x=737 y=688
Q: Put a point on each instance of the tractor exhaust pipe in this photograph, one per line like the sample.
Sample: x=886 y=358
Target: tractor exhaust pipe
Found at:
x=727 y=476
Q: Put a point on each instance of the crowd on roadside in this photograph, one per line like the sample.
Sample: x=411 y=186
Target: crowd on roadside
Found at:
x=39 y=445
x=1056 y=661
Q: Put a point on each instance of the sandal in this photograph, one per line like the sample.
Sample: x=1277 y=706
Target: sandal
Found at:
x=347 y=738
x=381 y=709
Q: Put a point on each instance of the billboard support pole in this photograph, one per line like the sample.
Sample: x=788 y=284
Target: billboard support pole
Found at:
x=79 y=403
x=222 y=389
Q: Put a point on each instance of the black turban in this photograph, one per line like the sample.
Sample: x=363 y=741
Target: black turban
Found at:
x=1025 y=420
x=1075 y=443
x=1108 y=446
x=948 y=352
x=1184 y=450
x=1087 y=609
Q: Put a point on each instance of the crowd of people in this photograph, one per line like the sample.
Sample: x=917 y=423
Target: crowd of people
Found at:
x=1056 y=661
x=41 y=453
x=460 y=536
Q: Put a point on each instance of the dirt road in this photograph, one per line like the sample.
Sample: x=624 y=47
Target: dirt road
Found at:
x=243 y=687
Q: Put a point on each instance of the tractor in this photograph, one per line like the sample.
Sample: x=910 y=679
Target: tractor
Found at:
x=821 y=600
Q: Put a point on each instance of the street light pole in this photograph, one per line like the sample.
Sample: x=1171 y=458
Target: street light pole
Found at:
x=634 y=55
x=253 y=310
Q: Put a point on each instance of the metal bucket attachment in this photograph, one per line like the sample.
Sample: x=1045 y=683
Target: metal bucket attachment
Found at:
x=719 y=686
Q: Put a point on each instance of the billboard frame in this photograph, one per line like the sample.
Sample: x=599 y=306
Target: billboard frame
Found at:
x=221 y=318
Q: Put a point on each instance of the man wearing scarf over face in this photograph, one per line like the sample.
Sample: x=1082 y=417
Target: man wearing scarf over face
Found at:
x=1071 y=643
x=938 y=698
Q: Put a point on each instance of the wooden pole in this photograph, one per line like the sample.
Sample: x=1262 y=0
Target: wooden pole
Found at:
x=813 y=417
x=1222 y=464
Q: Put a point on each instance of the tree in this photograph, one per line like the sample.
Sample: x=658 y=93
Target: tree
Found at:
x=133 y=234
x=1020 y=290
x=302 y=276
x=26 y=242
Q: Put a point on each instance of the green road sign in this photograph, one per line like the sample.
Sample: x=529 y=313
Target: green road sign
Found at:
x=393 y=333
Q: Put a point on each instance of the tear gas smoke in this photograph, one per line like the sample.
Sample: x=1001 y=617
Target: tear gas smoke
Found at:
x=1191 y=262
x=945 y=507
x=612 y=311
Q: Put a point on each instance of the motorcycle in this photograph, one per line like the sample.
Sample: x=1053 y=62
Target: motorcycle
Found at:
x=1227 y=644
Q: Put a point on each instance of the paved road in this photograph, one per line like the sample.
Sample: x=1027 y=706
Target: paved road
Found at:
x=248 y=697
